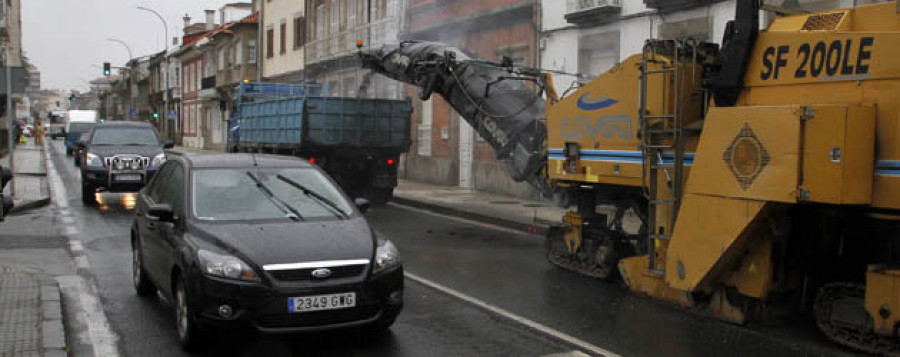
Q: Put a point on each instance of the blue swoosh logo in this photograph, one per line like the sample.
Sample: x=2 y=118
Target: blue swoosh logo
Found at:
x=586 y=103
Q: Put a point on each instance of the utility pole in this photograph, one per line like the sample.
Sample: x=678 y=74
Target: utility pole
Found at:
x=9 y=106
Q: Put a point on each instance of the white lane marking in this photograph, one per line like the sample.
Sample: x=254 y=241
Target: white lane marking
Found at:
x=458 y=219
x=103 y=339
x=76 y=246
x=71 y=231
x=82 y=262
x=65 y=212
x=516 y=318
x=91 y=314
x=569 y=354
x=68 y=220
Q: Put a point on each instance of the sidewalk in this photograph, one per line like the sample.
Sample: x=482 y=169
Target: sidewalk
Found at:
x=505 y=211
x=29 y=178
x=31 y=319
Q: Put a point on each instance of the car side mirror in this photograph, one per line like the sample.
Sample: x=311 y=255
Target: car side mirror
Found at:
x=362 y=204
x=168 y=144
x=161 y=212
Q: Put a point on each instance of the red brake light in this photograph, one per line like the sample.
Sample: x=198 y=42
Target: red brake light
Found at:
x=312 y=160
x=390 y=162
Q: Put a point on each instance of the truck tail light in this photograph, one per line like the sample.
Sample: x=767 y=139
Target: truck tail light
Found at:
x=390 y=162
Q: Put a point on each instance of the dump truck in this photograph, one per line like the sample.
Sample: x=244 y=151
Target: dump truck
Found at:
x=763 y=174
x=357 y=141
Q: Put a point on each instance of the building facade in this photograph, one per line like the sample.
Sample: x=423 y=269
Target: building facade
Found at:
x=230 y=57
x=333 y=29
x=283 y=35
x=448 y=151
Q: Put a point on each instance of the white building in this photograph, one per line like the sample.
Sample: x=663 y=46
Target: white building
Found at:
x=283 y=36
x=588 y=37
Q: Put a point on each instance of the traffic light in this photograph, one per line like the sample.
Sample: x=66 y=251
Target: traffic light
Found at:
x=106 y=69
x=155 y=114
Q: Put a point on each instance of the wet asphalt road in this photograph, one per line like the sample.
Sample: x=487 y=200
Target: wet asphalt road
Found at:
x=503 y=268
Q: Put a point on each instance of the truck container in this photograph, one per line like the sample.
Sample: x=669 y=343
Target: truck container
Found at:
x=358 y=141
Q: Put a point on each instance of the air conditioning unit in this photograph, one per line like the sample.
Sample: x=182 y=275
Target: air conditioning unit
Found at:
x=588 y=5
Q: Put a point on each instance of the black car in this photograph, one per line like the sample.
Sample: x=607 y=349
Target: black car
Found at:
x=119 y=157
x=265 y=242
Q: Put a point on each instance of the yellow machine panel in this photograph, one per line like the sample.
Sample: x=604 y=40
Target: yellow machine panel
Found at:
x=839 y=154
x=749 y=152
x=883 y=298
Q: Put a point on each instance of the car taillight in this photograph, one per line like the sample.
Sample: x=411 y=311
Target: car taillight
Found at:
x=390 y=162
x=312 y=160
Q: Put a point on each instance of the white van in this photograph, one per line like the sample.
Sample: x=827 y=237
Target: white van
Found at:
x=77 y=123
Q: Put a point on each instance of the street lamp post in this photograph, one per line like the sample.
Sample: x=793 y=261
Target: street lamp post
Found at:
x=166 y=72
x=130 y=57
x=123 y=44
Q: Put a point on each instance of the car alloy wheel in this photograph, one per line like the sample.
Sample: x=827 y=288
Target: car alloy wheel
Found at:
x=188 y=335
x=138 y=275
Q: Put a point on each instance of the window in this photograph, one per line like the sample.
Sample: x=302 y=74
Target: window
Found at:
x=299 y=31
x=379 y=8
x=320 y=21
x=283 y=40
x=351 y=14
x=697 y=29
x=517 y=53
x=155 y=191
x=173 y=192
x=350 y=86
x=238 y=53
x=251 y=52
x=335 y=16
x=597 y=53
x=221 y=59
x=270 y=43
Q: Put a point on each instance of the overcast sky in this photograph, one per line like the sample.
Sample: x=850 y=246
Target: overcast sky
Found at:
x=67 y=39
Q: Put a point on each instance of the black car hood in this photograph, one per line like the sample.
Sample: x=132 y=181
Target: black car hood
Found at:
x=110 y=150
x=293 y=242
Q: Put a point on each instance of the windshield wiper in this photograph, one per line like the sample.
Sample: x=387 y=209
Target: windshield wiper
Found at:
x=283 y=206
x=321 y=200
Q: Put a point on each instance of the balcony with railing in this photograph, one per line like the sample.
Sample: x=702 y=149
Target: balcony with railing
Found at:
x=592 y=12
x=675 y=5
x=343 y=43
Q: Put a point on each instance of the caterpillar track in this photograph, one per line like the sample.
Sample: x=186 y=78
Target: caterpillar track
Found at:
x=841 y=315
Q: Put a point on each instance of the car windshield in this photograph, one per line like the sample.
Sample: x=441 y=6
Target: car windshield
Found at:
x=234 y=195
x=125 y=136
x=77 y=128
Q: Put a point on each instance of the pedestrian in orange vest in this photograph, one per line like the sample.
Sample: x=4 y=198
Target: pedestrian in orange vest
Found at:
x=39 y=134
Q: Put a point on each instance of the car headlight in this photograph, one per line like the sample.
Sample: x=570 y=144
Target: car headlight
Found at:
x=386 y=256
x=93 y=160
x=120 y=165
x=225 y=266
x=158 y=160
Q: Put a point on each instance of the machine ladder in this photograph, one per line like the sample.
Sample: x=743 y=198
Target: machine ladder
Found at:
x=662 y=140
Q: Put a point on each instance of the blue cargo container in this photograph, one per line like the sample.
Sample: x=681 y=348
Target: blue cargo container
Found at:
x=356 y=140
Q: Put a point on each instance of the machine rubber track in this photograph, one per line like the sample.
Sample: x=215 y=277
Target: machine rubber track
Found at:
x=572 y=263
x=860 y=338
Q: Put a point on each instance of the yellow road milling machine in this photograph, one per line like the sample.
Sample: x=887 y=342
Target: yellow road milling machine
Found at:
x=764 y=174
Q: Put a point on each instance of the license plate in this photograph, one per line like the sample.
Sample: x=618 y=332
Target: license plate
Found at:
x=321 y=302
x=128 y=177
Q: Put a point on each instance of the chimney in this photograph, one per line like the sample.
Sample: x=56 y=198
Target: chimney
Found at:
x=210 y=19
x=187 y=23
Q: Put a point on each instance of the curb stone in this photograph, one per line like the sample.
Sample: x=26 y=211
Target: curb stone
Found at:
x=532 y=228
